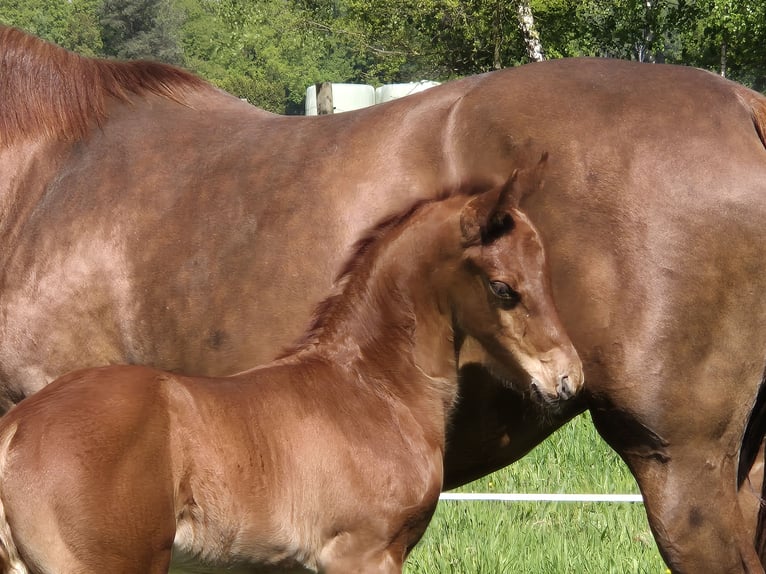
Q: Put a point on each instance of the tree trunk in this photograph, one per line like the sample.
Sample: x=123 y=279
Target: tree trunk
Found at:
x=723 y=57
x=529 y=31
x=496 y=61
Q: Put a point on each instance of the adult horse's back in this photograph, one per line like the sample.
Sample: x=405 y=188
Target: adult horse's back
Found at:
x=147 y=217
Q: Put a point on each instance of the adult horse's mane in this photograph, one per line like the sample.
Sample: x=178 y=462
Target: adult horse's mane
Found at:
x=47 y=91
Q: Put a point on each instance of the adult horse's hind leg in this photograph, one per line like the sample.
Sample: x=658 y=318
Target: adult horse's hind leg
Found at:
x=750 y=499
x=752 y=486
x=693 y=508
x=750 y=473
x=686 y=467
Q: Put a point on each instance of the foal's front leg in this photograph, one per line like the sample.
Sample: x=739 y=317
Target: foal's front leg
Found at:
x=387 y=561
x=378 y=551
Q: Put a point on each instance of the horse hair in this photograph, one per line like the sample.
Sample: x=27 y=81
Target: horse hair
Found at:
x=48 y=91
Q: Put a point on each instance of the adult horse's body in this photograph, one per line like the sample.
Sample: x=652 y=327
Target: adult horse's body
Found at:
x=329 y=459
x=172 y=233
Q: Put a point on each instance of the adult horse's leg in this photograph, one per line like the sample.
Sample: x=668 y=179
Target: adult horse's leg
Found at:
x=750 y=475
x=686 y=465
x=760 y=531
x=673 y=348
x=751 y=500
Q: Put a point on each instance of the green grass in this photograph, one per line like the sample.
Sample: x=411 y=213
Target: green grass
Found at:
x=544 y=537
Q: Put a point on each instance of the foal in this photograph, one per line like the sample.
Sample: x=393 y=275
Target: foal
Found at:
x=328 y=459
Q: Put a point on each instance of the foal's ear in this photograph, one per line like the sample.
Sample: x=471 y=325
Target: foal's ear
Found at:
x=487 y=215
x=525 y=181
x=484 y=216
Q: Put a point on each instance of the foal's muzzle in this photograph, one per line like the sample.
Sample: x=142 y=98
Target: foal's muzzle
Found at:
x=565 y=389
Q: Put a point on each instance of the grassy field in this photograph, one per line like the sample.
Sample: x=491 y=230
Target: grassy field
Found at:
x=545 y=537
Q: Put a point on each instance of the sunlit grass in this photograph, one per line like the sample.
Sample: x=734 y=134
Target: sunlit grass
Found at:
x=545 y=537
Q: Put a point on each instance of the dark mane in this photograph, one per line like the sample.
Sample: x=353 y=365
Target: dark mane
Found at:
x=371 y=239
x=47 y=91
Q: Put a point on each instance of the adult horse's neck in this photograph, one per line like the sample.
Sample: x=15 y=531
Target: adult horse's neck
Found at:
x=386 y=324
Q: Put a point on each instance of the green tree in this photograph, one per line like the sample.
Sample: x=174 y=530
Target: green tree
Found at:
x=434 y=39
x=728 y=36
x=629 y=29
x=267 y=52
x=133 y=29
x=71 y=24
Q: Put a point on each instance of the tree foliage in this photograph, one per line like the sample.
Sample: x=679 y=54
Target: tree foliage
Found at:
x=269 y=51
x=728 y=36
x=72 y=24
x=263 y=51
x=441 y=39
x=134 y=29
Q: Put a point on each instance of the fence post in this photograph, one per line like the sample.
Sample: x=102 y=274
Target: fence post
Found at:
x=324 y=98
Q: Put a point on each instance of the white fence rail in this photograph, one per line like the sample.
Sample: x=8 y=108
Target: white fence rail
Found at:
x=523 y=497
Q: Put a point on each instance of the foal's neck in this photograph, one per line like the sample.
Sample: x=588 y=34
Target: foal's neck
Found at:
x=387 y=326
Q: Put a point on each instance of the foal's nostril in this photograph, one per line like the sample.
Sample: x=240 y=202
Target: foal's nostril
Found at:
x=564 y=388
x=535 y=386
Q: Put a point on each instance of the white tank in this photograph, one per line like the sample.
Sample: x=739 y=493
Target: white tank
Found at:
x=390 y=92
x=345 y=97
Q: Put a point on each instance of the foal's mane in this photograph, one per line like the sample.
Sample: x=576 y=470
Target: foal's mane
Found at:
x=371 y=240
x=47 y=91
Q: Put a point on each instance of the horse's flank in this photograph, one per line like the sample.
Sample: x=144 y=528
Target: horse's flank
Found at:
x=47 y=91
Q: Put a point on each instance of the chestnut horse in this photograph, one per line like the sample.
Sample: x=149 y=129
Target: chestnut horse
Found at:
x=147 y=217
x=328 y=459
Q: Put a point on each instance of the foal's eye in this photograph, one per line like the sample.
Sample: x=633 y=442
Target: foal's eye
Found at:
x=505 y=293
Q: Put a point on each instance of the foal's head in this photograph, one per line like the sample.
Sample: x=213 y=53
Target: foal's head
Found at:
x=501 y=295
